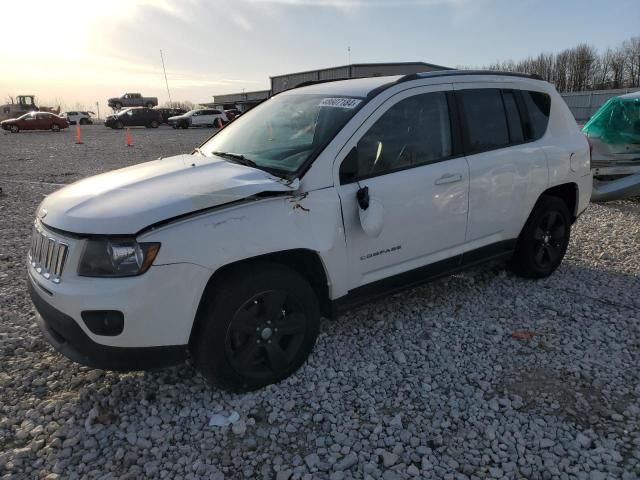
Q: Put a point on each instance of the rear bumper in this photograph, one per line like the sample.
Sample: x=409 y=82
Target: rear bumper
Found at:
x=66 y=336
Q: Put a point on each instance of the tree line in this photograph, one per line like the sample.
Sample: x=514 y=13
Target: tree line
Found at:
x=583 y=67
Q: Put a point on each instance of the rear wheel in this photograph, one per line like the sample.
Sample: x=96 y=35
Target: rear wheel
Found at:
x=15 y=129
x=149 y=105
x=257 y=327
x=154 y=124
x=544 y=239
x=55 y=127
x=83 y=121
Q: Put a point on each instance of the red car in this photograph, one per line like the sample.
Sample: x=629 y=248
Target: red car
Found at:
x=35 y=121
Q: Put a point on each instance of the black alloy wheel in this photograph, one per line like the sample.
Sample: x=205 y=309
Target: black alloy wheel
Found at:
x=544 y=239
x=256 y=325
x=265 y=334
x=549 y=237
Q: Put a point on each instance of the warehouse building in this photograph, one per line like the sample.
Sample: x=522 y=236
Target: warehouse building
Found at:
x=280 y=83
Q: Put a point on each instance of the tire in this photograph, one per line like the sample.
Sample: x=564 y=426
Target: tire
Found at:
x=55 y=127
x=149 y=105
x=119 y=125
x=255 y=328
x=117 y=106
x=14 y=129
x=184 y=125
x=83 y=121
x=154 y=124
x=544 y=239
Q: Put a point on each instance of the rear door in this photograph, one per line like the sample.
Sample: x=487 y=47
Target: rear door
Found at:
x=508 y=171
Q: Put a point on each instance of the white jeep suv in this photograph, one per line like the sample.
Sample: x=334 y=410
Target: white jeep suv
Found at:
x=321 y=198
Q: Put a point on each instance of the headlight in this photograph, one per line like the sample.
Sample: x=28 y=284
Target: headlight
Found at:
x=116 y=257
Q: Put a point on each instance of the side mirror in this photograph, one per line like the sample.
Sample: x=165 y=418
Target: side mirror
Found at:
x=372 y=219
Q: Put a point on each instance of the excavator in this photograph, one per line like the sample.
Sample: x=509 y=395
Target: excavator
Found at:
x=21 y=105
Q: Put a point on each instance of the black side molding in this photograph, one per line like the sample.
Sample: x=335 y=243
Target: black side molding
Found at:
x=497 y=252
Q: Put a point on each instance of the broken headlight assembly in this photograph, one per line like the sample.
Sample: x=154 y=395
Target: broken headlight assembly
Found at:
x=118 y=257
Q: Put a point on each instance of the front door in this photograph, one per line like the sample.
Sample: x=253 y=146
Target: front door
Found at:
x=416 y=177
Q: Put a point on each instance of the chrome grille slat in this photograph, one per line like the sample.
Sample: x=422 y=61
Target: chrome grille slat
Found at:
x=47 y=254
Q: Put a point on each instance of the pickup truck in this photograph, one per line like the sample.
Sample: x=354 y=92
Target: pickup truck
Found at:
x=132 y=100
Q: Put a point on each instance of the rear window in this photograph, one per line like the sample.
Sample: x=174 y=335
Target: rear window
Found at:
x=538 y=106
x=485 y=119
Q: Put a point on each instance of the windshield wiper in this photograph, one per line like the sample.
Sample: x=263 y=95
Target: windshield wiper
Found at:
x=237 y=158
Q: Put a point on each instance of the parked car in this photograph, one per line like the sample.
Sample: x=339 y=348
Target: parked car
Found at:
x=35 y=121
x=134 y=117
x=73 y=117
x=319 y=199
x=170 y=112
x=203 y=117
x=132 y=100
x=614 y=134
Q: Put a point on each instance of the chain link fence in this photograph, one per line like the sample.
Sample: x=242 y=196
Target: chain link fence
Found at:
x=585 y=104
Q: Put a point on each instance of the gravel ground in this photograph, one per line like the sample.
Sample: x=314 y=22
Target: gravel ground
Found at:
x=430 y=383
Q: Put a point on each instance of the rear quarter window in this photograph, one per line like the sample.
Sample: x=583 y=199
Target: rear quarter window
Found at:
x=538 y=107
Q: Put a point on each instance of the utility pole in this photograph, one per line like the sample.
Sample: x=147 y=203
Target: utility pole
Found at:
x=165 y=77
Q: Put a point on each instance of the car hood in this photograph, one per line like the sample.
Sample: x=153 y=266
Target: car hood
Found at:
x=126 y=201
x=178 y=117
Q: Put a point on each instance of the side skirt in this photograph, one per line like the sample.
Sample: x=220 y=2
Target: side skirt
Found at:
x=496 y=252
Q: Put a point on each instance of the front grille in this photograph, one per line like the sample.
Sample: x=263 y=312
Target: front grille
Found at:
x=47 y=254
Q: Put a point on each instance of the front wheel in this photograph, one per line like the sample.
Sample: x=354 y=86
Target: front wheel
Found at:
x=544 y=239
x=256 y=327
x=15 y=129
x=149 y=105
x=55 y=127
x=119 y=125
x=154 y=124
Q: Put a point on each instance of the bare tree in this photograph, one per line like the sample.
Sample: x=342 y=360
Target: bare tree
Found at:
x=582 y=67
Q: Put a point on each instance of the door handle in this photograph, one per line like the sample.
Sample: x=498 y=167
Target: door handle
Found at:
x=448 y=178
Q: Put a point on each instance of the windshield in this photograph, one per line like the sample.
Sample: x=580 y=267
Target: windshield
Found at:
x=282 y=134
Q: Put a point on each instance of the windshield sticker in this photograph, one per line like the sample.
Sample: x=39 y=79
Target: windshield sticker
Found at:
x=340 y=102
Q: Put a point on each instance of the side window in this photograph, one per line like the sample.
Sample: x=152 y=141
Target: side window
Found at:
x=538 y=106
x=516 y=132
x=195 y=114
x=415 y=131
x=485 y=119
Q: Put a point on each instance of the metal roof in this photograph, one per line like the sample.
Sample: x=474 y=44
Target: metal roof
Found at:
x=355 y=65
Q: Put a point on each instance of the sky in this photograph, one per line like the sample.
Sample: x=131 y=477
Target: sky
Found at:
x=79 y=52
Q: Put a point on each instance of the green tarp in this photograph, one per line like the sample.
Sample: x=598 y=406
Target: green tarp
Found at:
x=616 y=122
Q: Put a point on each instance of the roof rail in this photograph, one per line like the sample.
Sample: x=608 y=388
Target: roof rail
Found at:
x=447 y=73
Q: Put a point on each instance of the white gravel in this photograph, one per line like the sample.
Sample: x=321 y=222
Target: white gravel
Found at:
x=426 y=384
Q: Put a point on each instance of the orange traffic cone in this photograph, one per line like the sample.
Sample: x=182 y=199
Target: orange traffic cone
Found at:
x=78 y=134
x=129 y=144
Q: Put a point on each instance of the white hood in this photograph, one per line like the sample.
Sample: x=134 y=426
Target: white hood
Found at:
x=127 y=200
